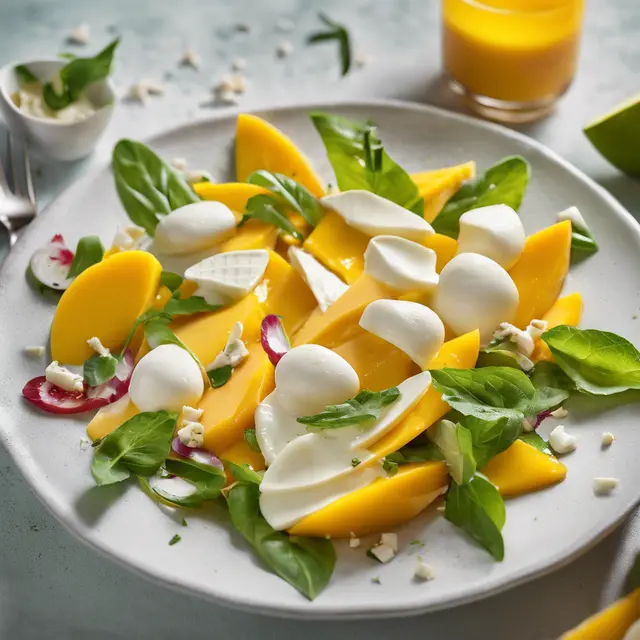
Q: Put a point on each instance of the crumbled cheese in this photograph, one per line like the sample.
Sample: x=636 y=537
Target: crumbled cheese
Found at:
x=190 y=58
x=354 y=542
x=189 y=414
x=80 y=35
x=523 y=341
x=35 y=352
x=234 y=83
x=239 y=64
x=154 y=87
x=527 y=425
x=63 y=378
x=536 y=328
x=360 y=60
x=192 y=434
x=604 y=486
x=284 y=24
x=234 y=352
x=197 y=175
x=441 y=508
x=224 y=96
x=561 y=442
x=424 y=571
x=559 y=413
x=391 y=540
x=179 y=163
x=128 y=238
x=383 y=553
x=285 y=48
x=138 y=92
x=607 y=439
x=98 y=347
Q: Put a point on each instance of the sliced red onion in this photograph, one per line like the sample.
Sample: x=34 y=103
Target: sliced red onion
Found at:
x=274 y=338
x=541 y=417
x=49 y=266
x=197 y=454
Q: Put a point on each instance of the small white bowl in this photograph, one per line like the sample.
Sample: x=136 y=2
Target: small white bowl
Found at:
x=58 y=140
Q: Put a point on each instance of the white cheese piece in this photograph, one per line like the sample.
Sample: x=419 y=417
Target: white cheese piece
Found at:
x=562 y=442
x=284 y=49
x=522 y=339
x=35 y=351
x=166 y=378
x=575 y=217
x=138 y=93
x=354 y=542
x=607 y=439
x=192 y=435
x=325 y=285
x=153 y=86
x=376 y=216
x=179 y=163
x=311 y=377
x=559 y=413
x=63 y=378
x=474 y=292
x=424 y=571
x=495 y=231
x=234 y=352
x=391 y=540
x=361 y=59
x=536 y=328
x=189 y=414
x=401 y=264
x=197 y=175
x=604 y=486
x=98 y=347
x=383 y=553
x=80 y=34
x=410 y=326
x=239 y=64
x=128 y=238
x=194 y=227
x=190 y=58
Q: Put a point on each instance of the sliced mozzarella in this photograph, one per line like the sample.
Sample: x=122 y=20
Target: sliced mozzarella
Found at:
x=575 y=217
x=166 y=378
x=311 y=377
x=325 y=285
x=230 y=275
x=376 y=216
x=475 y=292
x=401 y=264
x=410 y=326
x=194 y=227
x=495 y=231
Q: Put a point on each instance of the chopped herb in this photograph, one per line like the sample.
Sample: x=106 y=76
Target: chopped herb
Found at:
x=417 y=542
x=183 y=522
x=355 y=462
x=174 y=540
x=390 y=466
x=376 y=580
x=337 y=32
x=252 y=440
x=220 y=376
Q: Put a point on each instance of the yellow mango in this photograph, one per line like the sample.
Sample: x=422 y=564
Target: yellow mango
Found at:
x=459 y=353
x=378 y=363
x=436 y=187
x=103 y=301
x=254 y=234
x=241 y=453
x=111 y=417
x=567 y=310
x=259 y=145
x=284 y=293
x=610 y=624
x=232 y=194
x=540 y=272
x=522 y=469
x=381 y=506
x=229 y=410
x=445 y=248
x=339 y=322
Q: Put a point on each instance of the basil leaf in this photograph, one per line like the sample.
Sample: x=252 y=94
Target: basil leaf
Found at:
x=336 y=32
x=360 y=162
x=147 y=186
x=478 y=508
x=267 y=209
x=157 y=332
x=147 y=316
x=139 y=445
x=552 y=385
x=504 y=183
x=88 y=252
x=24 y=75
x=220 y=376
x=536 y=441
x=243 y=472
x=76 y=76
x=207 y=480
x=366 y=406
x=305 y=563
x=457 y=446
x=187 y=306
x=293 y=194
x=171 y=280
x=251 y=439
x=598 y=362
x=491 y=437
x=99 y=369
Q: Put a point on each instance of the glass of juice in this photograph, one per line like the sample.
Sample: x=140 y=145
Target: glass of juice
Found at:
x=511 y=59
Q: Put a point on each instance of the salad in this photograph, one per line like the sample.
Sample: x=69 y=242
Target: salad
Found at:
x=325 y=360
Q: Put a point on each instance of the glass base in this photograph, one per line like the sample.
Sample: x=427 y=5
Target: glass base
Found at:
x=503 y=110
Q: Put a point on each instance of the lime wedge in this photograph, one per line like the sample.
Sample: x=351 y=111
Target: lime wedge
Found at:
x=616 y=136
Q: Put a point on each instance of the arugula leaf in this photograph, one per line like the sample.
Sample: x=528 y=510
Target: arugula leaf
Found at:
x=478 y=508
x=148 y=187
x=366 y=406
x=88 y=252
x=456 y=444
x=98 y=369
x=187 y=306
x=598 y=362
x=157 y=332
x=140 y=445
x=360 y=162
x=251 y=439
x=305 y=563
x=504 y=183
x=267 y=209
x=533 y=439
x=291 y=193
x=76 y=76
x=243 y=472
x=336 y=32
x=207 y=480
x=24 y=75
x=220 y=376
x=491 y=437
x=171 y=280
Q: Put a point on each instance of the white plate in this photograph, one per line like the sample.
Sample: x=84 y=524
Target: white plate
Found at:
x=543 y=530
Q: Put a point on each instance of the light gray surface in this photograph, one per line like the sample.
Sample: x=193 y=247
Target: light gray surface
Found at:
x=50 y=585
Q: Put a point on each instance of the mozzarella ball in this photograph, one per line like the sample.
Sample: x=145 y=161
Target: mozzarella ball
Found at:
x=311 y=377
x=166 y=378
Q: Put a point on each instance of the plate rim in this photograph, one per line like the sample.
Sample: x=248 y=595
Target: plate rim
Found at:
x=32 y=475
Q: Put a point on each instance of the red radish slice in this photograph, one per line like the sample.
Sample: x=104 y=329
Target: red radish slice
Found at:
x=49 y=267
x=196 y=454
x=274 y=338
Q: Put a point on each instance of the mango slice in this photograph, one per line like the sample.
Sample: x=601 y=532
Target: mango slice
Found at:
x=340 y=321
x=241 y=453
x=259 y=145
x=111 y=417
x=540 y=272
x=445 y=248
x=566 y=310
x=522 y=469
x=229 y=410
x=610 y=624
x=381 y=506
x=436 y=187
x=103 y=301
x=251 y=235
x=232 y=194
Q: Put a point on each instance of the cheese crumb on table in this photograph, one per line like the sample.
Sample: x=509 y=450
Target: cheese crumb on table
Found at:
x=190 y=58
x=239 y=64
x=35 y=351
x=80 y=35
x=179 y=163
x=562 y=442
x=391 y=540
x=607 y=439
x=382 y=553
x=285 y=48
x=559 y=413
x=424 y=571
x=354 y=542
x=604 y=486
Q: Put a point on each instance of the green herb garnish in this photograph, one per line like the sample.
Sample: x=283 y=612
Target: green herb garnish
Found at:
x=24 y=74
x=99 y=369
x=88 y=252
x=272 y=211
x=336 y=32
x=175 y=540
x=220 y=376
x=251 y=439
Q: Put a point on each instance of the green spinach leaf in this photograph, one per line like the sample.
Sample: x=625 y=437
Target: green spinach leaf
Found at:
x=336 y=32
x=243 y=472
x=88 y=252
x=207 y=481
x=220 y=376
x=98 y=369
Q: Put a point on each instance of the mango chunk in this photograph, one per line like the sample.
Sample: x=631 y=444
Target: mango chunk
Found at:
x=436 y=187
x=241 y=453
x=103 y=301
x=460 y=353
x=610 y=624
x=445 y=248
x=259 y=145
x=540 y=272
x=232 y=194
x=566 y=310
x=111 y=417
x=381 y=506
x=522 y=469
x=229 y=410
x=339 y=322
x=254 y=234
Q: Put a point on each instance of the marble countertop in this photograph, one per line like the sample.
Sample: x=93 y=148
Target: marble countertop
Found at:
x=51 y=586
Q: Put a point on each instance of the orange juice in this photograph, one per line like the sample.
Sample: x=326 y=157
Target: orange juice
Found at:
x=516 y=51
